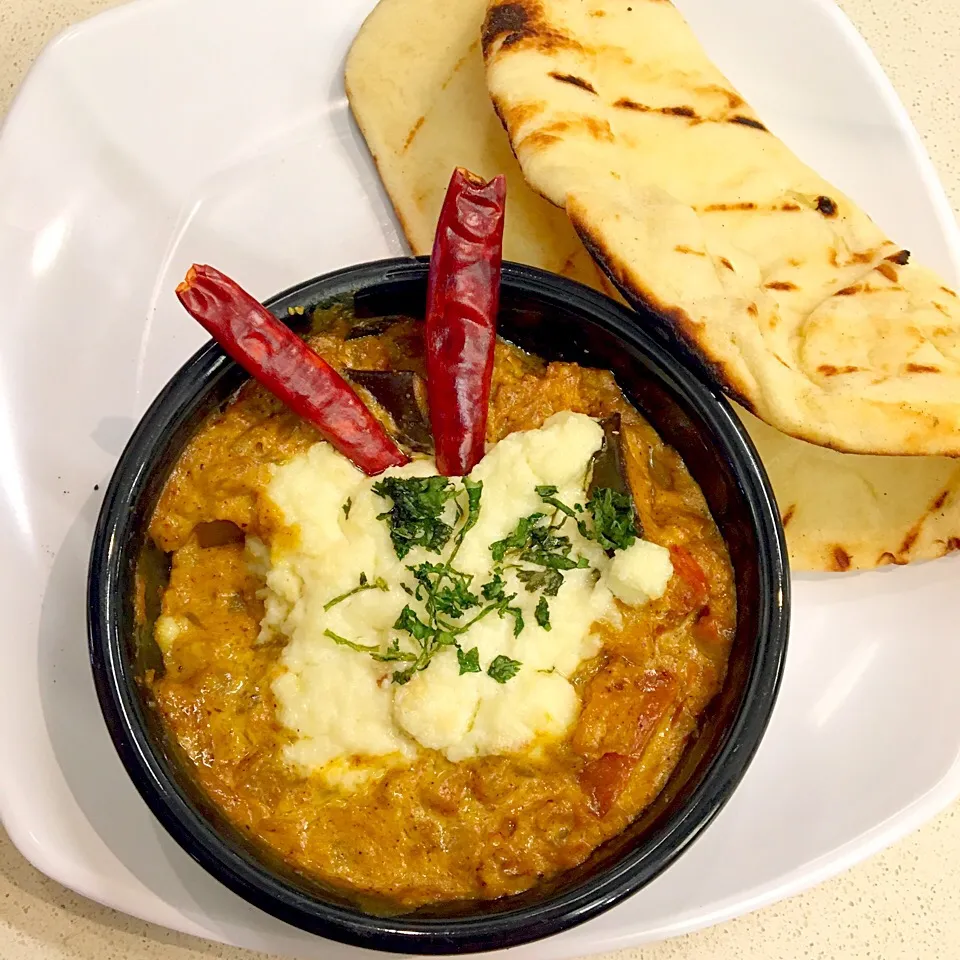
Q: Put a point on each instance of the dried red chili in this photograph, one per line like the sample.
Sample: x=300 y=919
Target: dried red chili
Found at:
x=274 y=355
x=463 y=295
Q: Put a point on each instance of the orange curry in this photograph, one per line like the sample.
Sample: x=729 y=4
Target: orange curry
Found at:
x=435 y=830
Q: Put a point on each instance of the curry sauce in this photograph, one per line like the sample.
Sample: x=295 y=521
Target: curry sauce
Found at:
x=433 y=830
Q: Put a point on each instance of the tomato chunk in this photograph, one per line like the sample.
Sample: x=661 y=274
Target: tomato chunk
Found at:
x=691 y=573
x=706 y=632
x=604 y=780
x=622 y=706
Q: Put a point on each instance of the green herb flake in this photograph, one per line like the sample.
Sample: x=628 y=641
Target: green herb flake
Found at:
x=474 y=489
x=517 y=540
x=454 y=600
x=502 y=668
x=410 y=623
x=547 y=581
x=542 y=613
x=393 y=652
x=516 y=613
x=378 y=584
x=548 y=494
x=469 y=661
x=495 y=588
x=614 y=521
x=537 y=549
x=347 y=507
x=416 y=517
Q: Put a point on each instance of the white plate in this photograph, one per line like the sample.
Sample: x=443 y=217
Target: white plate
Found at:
x=173 y=130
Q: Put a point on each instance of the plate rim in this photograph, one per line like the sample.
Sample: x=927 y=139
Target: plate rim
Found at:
x=883 y=834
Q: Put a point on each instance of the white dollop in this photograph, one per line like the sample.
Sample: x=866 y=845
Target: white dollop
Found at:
x=640 y=573
x=340 y=702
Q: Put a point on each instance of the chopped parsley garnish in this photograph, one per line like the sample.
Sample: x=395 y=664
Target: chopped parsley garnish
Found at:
x=378 y=584
x=540 y=553
x=393 y=652
x=503 y=668
x=453 y=599
x=614 y=522
x=416 y=517
x=543 y=613
x=410 y=623
x=495 y=588
x=347 y=507
x=469 y=661
x=549 y=495
x=420 y=516
x=515 y=612
x=546 y=581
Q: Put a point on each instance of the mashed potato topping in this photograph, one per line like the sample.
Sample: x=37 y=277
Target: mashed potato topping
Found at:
x=349 y=719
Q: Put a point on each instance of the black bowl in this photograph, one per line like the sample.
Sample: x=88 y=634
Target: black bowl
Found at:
x=556 y=319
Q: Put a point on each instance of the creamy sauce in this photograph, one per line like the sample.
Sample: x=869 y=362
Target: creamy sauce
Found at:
x=387 y=805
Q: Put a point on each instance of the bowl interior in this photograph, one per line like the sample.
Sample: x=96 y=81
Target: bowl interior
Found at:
x=557 y=320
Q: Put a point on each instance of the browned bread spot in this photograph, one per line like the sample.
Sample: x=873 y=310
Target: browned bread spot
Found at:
x=573 y=81
x=910 y=539
x=829 y=370
x=522 y=22
x=841 y=559
x=940 y=501
x=887 y=270
x=413 y=132
x=748 y=122
x=722 y=207
x=827 y=206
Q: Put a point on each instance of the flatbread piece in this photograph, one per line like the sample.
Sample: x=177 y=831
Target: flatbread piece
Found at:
x=796 y=303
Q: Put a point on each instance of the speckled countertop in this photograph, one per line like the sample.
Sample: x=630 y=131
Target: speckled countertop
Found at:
x=902 y=905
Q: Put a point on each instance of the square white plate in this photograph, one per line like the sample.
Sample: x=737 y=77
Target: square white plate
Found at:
x=173 y=130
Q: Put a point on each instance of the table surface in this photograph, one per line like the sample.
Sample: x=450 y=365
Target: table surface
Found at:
x=902 y=905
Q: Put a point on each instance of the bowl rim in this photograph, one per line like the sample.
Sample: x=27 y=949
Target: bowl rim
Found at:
x=252 y=880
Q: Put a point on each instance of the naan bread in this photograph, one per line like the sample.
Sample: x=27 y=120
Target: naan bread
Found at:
x=414 y=79
x=841 y=511
x=796 y=303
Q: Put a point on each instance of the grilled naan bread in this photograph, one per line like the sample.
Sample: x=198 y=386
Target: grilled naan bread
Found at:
x=787 y=293
x=841 y=512
x=414 y=79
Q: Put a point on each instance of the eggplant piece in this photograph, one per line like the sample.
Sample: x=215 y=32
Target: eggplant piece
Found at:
x=218 y=533
x=610 y=466
x=372 y=327
x=403 y=395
